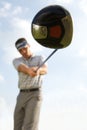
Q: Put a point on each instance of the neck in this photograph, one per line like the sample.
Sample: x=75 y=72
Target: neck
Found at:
x=29 y=56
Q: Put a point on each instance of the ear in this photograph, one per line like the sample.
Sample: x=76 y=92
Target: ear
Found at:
x=28 y=45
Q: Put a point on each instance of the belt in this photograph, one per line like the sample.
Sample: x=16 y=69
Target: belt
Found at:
x=29 y=90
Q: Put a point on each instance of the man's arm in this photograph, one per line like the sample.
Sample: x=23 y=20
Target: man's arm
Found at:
x=32 y=70
x=27 y=70
x=43 y=70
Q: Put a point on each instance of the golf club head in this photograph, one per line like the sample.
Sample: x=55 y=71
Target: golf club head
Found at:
x=52 y=27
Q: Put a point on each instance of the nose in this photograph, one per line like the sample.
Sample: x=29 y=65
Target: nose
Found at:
x=23 y=51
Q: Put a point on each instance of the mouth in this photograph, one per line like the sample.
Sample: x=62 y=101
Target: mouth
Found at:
x=26 y=56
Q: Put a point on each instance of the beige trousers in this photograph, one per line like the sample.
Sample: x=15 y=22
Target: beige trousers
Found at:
x=27 y=110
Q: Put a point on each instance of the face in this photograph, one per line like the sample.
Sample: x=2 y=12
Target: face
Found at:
x=25 y=51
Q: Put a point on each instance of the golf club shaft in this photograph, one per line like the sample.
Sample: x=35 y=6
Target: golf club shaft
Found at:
x=47 y=59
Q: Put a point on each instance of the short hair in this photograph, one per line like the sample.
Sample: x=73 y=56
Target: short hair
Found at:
x=20 y=40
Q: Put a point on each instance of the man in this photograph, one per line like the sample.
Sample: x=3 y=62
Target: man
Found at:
x=27 y=110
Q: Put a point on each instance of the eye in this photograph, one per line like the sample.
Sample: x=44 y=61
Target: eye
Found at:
x=20 y=51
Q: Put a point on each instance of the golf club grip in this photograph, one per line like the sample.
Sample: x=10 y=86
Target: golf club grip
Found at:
x=47 y=59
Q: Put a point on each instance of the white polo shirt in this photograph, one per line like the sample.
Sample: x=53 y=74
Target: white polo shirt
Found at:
x=25 y=81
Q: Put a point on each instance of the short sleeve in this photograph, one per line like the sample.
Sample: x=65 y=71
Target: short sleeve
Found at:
x=16 y=63
x=42 y=59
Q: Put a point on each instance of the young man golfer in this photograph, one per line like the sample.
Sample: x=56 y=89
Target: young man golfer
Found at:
x=27 y=110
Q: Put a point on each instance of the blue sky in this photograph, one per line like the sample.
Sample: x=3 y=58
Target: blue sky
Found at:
x=64 y=89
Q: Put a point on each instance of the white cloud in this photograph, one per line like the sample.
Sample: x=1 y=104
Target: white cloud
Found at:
x=58 y=1
x=6 y=121
x=64 y=1
x=4 y=11
x=9 y=54
x=21 y=28
x=83 y=89
x=20 y=23
x=6 y=6
x=8 y=10
x=69 y=118
x=65 y=109
x=83 y=5
x=17 y=10
x=1 y=78
x=83 y=53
